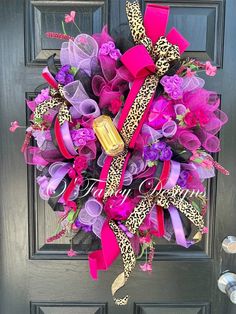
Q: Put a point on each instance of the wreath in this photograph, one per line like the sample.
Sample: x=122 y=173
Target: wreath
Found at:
x=123 y=138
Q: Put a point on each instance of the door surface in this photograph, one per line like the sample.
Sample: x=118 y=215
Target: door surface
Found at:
x=40 y=278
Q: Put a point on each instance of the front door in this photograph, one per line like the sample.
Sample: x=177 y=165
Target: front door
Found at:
x=37 y=277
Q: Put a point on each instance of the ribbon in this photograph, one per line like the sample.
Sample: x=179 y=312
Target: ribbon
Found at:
x=57 y=99
x=60 y=140
x=160 y=219
x=147 y=62
x=65 y=133
x=46 y=74
x=178 y=228
x=160 y=222
x=164 y=199
x=57 y=171
x=174 y=175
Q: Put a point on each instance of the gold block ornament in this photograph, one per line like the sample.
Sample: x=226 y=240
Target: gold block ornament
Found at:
x=108 y=135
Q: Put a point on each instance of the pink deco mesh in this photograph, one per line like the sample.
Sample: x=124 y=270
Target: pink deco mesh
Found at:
x=204 y=104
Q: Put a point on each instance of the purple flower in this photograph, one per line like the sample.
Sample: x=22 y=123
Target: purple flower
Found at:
x=83 y=227
x=132 y=167
x=151 y=153
x=44 y=95
x=159 y=145
x=109 y=48
x=183 y=178
x=165 y=80
x=79 y=142
x=63 y=76
x=159 y=150
x=166 y=154
x=105 y=49
x=86 y=133
x=111 y=44
x=39 y=99
x=81 y=136
x=176 y=93
x=60 y=77
x=69 y=78
x=65 y=68
x=115 y=54
x=173 y=86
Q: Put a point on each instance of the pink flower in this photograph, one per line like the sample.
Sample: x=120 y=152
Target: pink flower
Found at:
x=70 y=17
x=202 y=117
x=146 y=239
x=80 y=164
x=71 y=253
x=14 y=126
x=146 y=267
x=118 y=207
x=210 y=69
x=190 y=119
x=190 y=73
x=115 y=105
x=71 y=205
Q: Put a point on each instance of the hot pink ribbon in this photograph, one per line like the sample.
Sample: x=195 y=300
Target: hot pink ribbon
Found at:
x=103 y=259
x=140 y=65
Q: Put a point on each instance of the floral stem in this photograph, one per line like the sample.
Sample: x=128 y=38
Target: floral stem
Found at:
x=63 y=27
x=77 y=27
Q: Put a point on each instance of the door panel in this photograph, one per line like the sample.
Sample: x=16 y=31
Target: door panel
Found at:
x=171 y=309
x=39 y=278
x=67 y=308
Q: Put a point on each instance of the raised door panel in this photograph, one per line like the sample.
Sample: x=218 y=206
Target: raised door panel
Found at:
x=67 y=308
x=172 y=309
x=46 y=16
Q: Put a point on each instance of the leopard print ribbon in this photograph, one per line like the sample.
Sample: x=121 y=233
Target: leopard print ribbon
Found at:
x=162 y=54
x=57 y=99
x=114 y=174
x=129 y=261
x=165 y=198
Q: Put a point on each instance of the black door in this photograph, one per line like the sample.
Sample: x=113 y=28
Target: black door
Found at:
x=37 y=277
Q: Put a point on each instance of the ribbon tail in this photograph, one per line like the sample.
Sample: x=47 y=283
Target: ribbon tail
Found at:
x=155 y=21
x=118 y=283
x=188 y=210
x=129 y=262
x=178 y=228
x=103 y=259
x=49 y=78
x=160 y=219
x=175 y=38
